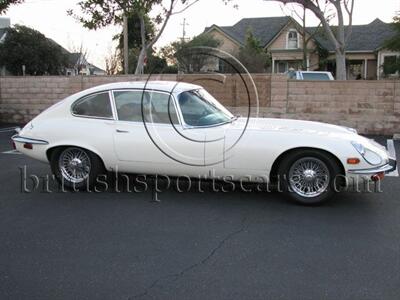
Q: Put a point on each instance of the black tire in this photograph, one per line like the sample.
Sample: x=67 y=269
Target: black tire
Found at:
x=327 y=163
x=96 y=169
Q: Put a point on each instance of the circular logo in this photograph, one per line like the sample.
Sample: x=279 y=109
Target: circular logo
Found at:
x=185 y=121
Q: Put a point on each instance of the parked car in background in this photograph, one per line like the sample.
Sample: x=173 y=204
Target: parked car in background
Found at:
x=179 y=129
x=310 y=75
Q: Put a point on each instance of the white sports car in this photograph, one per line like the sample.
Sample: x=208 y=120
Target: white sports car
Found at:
x=179 y=129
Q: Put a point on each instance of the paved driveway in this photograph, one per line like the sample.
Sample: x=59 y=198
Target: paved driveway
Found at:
x=194 y=245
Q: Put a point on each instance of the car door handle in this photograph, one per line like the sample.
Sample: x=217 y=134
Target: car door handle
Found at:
x=122 y=131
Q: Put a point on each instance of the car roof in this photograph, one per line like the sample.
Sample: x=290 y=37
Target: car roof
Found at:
x=166 y=86
x=316 y=72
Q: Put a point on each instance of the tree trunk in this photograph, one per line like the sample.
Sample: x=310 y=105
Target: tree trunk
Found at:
x=337 y=37
x=305 y=55
x=126 y=56
x=140 y=64
x=340 y=45
x=341 y=73
x=145 y=47
x=304 y=36
x=143 y=50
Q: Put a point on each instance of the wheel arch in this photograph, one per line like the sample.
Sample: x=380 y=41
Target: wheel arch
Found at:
x=275 y=166
x=50 y=150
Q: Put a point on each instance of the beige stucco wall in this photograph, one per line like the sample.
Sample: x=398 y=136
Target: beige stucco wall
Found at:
x=281 y=41
x=369 y=106
x=314 y=61
x=292 y=55
x=356 y=56
x=279 y=51
x=227 y=44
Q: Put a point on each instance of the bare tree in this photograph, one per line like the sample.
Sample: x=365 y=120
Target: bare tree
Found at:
x=112 y=61
x=83 y=53
x=100 y=13
x=168 y=12
x=306 y=35
x=338 y=37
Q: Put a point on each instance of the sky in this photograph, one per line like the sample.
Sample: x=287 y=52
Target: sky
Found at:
x=50 y=18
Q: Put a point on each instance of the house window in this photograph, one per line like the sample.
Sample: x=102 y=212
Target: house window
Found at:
x=221 y=66
x=391 y=64
x=282 y=67
x=355 y=69
x=292 y=39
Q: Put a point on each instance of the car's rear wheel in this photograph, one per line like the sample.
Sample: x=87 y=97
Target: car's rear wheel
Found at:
x=309 y=176
x=76 y=168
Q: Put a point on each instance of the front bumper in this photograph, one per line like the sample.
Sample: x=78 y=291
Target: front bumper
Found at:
x=388 y=168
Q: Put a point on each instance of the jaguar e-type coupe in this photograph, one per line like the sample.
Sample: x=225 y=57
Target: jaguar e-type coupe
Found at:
x=179 y=129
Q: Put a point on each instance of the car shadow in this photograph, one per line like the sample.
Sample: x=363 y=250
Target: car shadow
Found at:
x=127 y=187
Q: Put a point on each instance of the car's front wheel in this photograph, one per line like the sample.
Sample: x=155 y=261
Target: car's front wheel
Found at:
x=309 y=176
x=76 y=168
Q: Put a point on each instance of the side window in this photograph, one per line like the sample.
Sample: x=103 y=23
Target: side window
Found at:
x=155 y=107
x=97 y=105
x=199 y=108
x=128 y=105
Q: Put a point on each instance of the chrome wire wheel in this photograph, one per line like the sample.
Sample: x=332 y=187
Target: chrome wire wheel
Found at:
x=309 y=177
x=74 y=164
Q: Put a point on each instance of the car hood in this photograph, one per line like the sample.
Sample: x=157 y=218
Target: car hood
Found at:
x=289 y=125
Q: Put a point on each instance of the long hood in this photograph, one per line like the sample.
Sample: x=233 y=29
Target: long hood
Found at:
x=288 y=125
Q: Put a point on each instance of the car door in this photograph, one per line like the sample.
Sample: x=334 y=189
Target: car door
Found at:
x=89 y=126
x=149 y=135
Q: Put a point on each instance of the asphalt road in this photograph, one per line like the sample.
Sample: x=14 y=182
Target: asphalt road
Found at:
x=194 y=245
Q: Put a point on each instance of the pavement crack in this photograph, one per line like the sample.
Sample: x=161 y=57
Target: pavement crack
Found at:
x=203 y=261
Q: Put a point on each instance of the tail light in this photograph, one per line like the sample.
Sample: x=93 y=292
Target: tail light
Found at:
x=28 y=146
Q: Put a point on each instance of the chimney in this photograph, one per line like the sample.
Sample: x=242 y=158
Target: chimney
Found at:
x=4 y=22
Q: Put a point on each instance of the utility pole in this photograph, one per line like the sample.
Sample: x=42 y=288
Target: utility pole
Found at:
x=184 y=24
x=126 y=63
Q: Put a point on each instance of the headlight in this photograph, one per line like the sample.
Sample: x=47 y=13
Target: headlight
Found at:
x=352 y=130
x=370 y=156
x=359 y=147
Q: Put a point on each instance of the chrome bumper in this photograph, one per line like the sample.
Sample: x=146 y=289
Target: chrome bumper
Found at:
x=20 y=139
x=388 y=168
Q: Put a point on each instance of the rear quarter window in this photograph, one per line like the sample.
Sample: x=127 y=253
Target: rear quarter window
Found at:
x=96 y=105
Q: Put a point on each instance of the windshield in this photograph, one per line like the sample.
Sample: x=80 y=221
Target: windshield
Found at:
x=199 y=108
x=315 y=76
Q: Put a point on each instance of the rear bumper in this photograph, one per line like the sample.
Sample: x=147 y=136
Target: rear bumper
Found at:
x=24 y=140
x=388 y=168
x=35 y=148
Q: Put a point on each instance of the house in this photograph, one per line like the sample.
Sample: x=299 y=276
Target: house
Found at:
x=4 y=24
x=78 y=65
x=281 y=37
